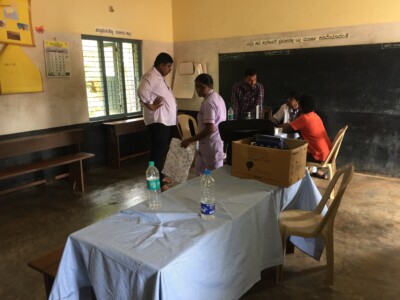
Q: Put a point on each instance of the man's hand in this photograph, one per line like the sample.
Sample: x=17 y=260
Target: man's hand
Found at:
x=286 y=128
x=156 y=104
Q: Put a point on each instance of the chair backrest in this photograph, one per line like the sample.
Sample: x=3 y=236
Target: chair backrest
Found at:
x=346 y=174
x=184 y=125
x=337 y=142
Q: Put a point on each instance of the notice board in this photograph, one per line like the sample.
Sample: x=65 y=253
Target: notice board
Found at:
x=15 y=22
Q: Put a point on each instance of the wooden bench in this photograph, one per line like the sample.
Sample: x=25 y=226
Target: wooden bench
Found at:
x=34 y=145
x=48 y=266
x=114 y=131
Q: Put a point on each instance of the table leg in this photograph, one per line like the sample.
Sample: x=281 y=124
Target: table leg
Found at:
x=113 y=152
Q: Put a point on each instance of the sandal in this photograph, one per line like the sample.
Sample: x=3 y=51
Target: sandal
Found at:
x=320 y=174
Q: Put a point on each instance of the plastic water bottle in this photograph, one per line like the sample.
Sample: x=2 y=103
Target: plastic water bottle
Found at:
x=230 y=113
x=207 y=196
x=153 y=186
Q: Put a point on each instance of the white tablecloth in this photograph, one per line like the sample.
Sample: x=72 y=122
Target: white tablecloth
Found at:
x=173 y=254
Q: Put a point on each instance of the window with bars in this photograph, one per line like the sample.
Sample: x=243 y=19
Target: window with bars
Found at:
x=112 y=73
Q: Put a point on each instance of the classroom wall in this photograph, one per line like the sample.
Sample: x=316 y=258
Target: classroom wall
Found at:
x=171 y=26
x=146 y=20
x=63 y=101
x=202 y=30
x=206 y=51
x=209 y=19
x=190 y=31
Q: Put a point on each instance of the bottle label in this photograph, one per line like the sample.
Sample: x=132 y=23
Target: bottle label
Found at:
x=208 y=209
x=153 y=185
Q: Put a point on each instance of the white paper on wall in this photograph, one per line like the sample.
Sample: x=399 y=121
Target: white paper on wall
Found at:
x=186 y=68
x=184 y=79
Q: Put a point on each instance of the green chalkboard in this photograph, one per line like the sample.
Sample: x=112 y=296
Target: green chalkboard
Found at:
x=358 y=85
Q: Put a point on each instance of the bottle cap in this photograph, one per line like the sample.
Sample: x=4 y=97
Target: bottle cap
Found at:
x=207 y=172
x=151 y=163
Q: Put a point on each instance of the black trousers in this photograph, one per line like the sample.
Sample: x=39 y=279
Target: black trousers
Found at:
x=159 y=138
x=311 y=158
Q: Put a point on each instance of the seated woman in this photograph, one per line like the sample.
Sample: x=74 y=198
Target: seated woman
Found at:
x=311 y=129
x=212 y=112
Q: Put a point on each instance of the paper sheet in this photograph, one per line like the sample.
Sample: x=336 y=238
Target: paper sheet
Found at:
x=186 y=68
x=18 y=74
x=184 y=84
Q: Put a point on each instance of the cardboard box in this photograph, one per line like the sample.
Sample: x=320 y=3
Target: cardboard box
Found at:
x=273 y=166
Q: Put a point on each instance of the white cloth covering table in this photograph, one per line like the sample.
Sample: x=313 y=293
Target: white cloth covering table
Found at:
x=172 y=253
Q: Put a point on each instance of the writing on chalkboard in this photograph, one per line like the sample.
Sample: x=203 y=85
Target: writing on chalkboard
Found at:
x=390 y=46
x=242 y=56
x=277 y=52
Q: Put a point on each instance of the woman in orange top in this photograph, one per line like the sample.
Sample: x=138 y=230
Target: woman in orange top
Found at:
x=311 y=129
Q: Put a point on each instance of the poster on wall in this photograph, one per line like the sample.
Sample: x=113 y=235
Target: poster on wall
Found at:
x=15 y=22
x=18 y=74
x=57 y=59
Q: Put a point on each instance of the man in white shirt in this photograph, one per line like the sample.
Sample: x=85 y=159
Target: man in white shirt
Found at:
x=288 y=111
x=159 y=110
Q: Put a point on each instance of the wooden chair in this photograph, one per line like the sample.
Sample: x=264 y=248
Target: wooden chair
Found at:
x=330 y=161
x=184 y=125
x=311 y=224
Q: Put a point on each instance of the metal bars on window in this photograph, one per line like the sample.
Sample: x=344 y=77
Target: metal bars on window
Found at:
x=112 y=73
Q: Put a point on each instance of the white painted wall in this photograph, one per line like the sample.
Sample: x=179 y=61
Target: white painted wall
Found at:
x=63 y=101
x=206 y=51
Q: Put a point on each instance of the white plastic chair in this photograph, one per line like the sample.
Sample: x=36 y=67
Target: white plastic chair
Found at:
x=309 y=224
x=184 y=126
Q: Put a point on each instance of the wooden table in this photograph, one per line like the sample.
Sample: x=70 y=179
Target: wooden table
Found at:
x=114 y=131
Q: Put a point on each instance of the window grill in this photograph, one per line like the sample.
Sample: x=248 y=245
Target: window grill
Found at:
x=112 y=73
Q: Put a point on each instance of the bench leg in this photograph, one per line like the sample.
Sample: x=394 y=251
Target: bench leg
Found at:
x=76 y=175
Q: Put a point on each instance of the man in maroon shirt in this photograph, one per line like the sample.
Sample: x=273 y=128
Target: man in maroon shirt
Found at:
x=246 y=95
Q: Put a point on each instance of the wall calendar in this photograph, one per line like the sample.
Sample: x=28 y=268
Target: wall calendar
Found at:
x=57 y=59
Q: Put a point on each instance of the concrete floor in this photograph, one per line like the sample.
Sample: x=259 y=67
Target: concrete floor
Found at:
x=367 y=236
